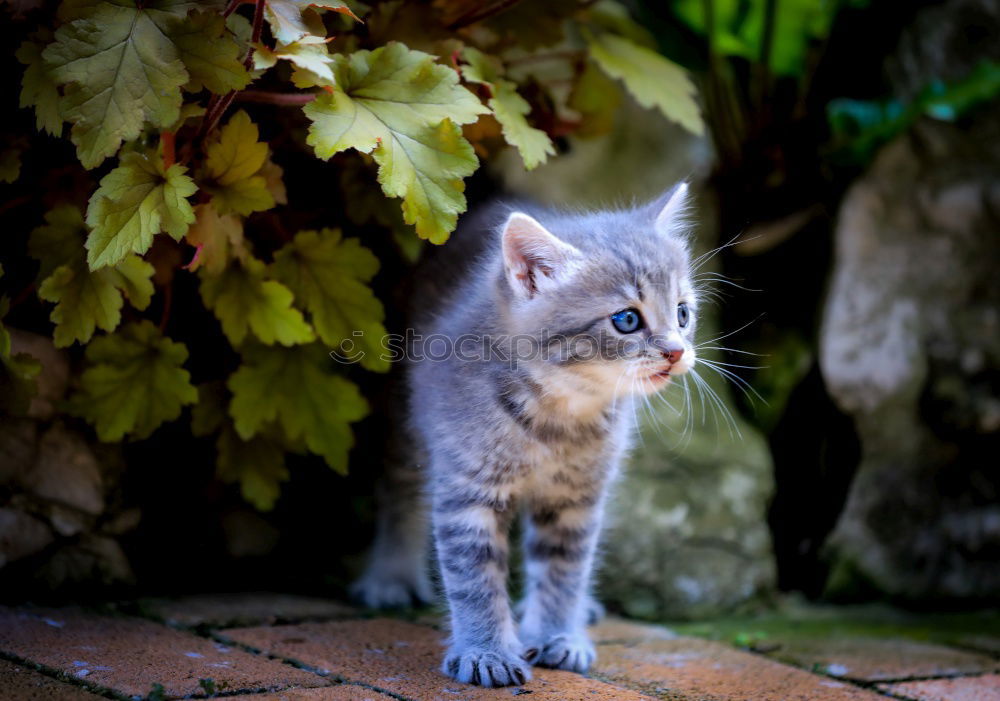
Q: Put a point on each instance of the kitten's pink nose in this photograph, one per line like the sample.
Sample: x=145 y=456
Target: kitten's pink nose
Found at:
x=673 y=354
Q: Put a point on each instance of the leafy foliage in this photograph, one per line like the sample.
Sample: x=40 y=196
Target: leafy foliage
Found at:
x=134 y=381
x=419 y=91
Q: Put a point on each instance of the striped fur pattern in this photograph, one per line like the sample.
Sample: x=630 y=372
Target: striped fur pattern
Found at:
x=539 y=436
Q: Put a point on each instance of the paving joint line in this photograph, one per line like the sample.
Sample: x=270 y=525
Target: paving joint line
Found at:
x=64 y=678
x=299 y=664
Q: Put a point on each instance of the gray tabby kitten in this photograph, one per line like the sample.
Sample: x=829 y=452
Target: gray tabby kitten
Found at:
x=579 y=312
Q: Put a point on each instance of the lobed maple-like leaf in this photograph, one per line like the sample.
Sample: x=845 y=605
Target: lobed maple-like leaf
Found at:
x=257 y=465
x=295 y=387
x=218 y=238
x=328 y=276
x=134 y=202
x=38 y=88
x=85 y=300
x=654 y=80
x=134 y=381
x=211 y=57
x=124 y=63
x=509 y=108
x=403 y=108
x=234 y=169
x=244 y=300
x=298 y=20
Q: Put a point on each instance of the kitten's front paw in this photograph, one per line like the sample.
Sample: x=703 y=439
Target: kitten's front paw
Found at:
x=486 y=667
x=594 y=610
x=571 y=651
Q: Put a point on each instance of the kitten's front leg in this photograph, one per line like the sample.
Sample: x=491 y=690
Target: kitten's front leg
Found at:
x=472 y=544
x=560 y=540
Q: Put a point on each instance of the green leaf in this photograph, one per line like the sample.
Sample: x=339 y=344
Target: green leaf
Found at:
x=60 y=240
x=217 y=238
x=313 y=63
x=18 y=371
x=403 y=108
x=234 y=169
x=38 y=88
x=509 y=108
x=123 y=70
x=211 y=57
x=244 y=300
x=133 y=382
x=136 y=201
x=328 y=275
x=257 y=465
x=87 y=300
x=209 y=414
x=653 y=80
x=298 y=20
x=295 y=387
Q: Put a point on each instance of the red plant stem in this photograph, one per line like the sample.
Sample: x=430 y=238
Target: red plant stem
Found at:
x=477 y=14
x=276 y=98
x=22 y=296
x=168 y=140
x=258 y=29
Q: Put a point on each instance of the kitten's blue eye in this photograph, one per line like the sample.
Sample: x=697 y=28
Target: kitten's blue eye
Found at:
x=627 y=320
x=682 y=314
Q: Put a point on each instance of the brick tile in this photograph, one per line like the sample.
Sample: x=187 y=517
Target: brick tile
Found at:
x=984 y=688
x=881 y=659
x=341 y=692
x=251 y=609
x=692 y=669
x=619 y=630
x=403 y=658
x=130 y=655
x=19 y=682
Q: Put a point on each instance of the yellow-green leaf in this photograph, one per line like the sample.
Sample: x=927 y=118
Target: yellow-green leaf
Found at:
x=134 y=381
x=509 y=108
x=211 y=57
x=18 y=371
x=122 y=69
x=60 y=240
x=653 y=80
x=136 y=201
x=296 y=387
x=257 y=465
x=217 y=238
x=10 y=164
x=329 y=276
x=88 y=300
x=244 y=300
x=403 y=108
x=38 y=88
x=234 y=169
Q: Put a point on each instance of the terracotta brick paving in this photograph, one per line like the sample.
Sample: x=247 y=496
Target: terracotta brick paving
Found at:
x=878 y=659
x=130 y=655
x=297 y=649
x=19 y=682
x=701 y=670
x=403 y=658
x=983 y=688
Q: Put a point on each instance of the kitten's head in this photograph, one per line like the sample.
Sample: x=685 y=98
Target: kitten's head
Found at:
x=609 y=295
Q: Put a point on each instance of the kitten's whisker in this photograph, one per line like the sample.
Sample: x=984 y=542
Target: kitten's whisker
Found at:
x=708 y=255
x=729 y=282
x=720 y=405
x=738 y=381
x=727 y=335
x=730 y=350
x=734 y=365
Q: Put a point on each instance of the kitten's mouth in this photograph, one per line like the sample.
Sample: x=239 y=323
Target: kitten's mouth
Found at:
x=662 y=375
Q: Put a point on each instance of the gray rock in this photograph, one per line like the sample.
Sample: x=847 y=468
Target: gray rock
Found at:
x=910 y=348
x=21 y=535
x=66 y=471
x=54 y=377
x=18 y=447
x=93 y=559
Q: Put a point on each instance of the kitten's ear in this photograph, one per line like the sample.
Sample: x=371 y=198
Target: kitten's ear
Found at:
x=533 y=258
x=670 y=207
